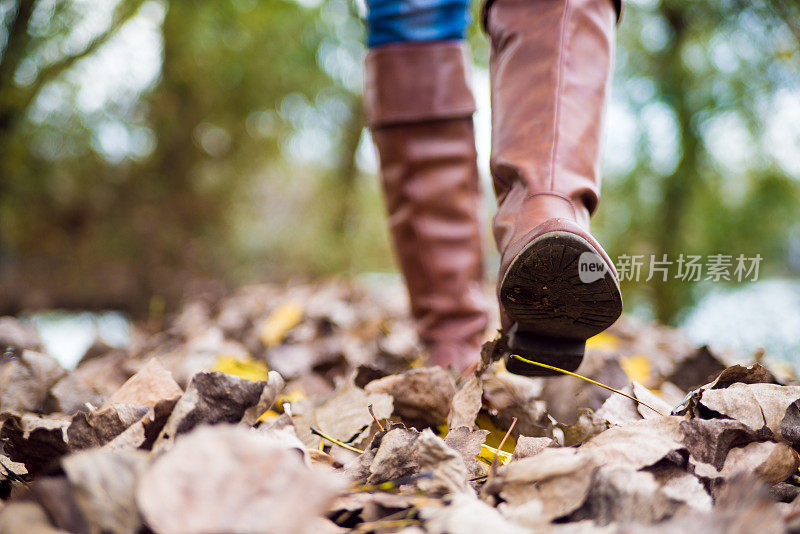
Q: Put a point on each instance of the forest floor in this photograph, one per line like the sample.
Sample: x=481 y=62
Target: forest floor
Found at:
x=306 y=409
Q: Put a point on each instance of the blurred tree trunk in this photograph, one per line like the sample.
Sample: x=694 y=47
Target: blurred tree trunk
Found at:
x=347 y=171
x=673 y=80
x=27 y=277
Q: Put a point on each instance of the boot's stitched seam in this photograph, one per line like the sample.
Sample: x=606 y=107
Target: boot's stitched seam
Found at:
x=559 y=89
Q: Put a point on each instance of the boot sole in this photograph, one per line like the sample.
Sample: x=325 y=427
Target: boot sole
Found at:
x=554 y=311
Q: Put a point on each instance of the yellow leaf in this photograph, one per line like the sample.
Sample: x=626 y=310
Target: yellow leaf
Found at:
x=247 y=368
x=279 y=322
x=488 y=453
x=637 y=368
x=496 y=434
x=603 y=342
x=269 y=414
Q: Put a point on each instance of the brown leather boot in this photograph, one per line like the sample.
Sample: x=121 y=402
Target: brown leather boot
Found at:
x=419 y=108
x=550 y=67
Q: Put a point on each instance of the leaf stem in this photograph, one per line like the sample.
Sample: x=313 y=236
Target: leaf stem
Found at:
x=335 y=441
x=576 y=375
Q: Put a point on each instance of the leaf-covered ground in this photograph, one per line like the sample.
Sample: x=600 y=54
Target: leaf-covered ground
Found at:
x=305 y=409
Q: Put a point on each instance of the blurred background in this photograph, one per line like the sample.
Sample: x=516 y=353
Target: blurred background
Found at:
x=153 y=148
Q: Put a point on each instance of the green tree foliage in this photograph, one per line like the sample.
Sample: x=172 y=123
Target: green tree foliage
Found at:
x=236 y=159
x=240 y=81
x=704 y=81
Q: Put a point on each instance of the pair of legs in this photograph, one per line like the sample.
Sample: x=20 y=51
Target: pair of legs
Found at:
x=550 y=68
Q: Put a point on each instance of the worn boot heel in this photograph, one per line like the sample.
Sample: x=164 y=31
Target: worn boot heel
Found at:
x=559 y=352
x=560 y=292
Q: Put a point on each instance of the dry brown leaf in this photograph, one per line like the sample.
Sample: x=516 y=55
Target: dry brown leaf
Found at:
x=618 y=410
x=466 y=403
x=754 y=405
x=92 y=382
x=420 y=395
x=15 y=334
x=25 y=381
x=103 y=483
x=246 y=484
x=699 y=368
x=651 y=400
x=404 y=453
x=34 y=441
x=623 y=494
x=153 y=383
x=680 y=485
x=27 y=517
x=210 y=398
x=98 y=427
x=637 y=445
x=274 y=386
x=143 y=433
x=709 y=441
x=345 y=415
x=465 y=514
x=770 y=462
x=527 y=446
x=555 y=481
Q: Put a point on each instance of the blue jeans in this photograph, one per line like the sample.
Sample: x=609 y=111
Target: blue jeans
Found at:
x=397 y=21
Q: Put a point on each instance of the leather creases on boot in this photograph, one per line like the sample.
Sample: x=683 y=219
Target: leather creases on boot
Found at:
x=550 y=69
x=419 y=108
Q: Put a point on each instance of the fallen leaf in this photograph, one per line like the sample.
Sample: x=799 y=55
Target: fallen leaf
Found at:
x=649 y=399
x=210 y=398
x=34 y=441
x=26 y=517
x=25 y=381
x=248 y=368
x=279 y=322
x=345 y=415
x=92 y=382
x=699 y=368
x=421 y=396
x=466 y=403
x=143 y=433
x=558 y=480
x=636 y=445
x=98 y=427
x=754 y=405
x=103 y=483
x=618 y=410
x=709 y=441
x=269 y=395
x=790 y=424
x=246 y=484
x=467 y=443
x=14 y=334
x=151 y=384
x=637 y=367
x=403 y=453
x=527 y=446
x=623 y=494
x=465 y=514
x=770 y=462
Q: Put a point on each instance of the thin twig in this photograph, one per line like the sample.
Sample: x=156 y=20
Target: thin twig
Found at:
x=508 y=432
x=335 y=441
x=576 y=375
x=375 y=418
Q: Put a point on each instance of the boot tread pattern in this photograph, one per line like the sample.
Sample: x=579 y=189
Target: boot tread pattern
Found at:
x=544 y=294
